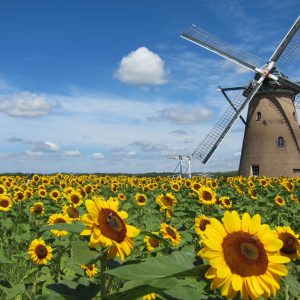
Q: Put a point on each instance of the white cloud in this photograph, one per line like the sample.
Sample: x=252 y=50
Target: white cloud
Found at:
x=25 y=104
x=72 y=153
x=98 y=155
x=49 y=146
x=34 y=153
x=141 y=67
x=183 y=115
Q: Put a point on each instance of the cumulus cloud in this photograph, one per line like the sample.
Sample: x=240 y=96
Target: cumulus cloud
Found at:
x=98 y=155
x=25 y=104
x=183 y=115
x=72 y=153
x=38 y=146
x=120 y=153
x=47 y=147
x=141 y=67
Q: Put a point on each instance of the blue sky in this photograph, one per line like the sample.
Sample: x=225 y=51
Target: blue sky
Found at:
x=110 y=86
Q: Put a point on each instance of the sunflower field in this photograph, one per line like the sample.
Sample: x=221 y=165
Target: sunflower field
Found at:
x=67 y=236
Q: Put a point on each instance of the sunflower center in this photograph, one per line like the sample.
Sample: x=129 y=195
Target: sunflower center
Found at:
x=207 y=196
x=1 y=190
x=167 y=201
x=227 y=201
x=38 y=208
x=203 y=224
x=153 y=242
x=4 y=203
x=249 y=250
x=290 y=243
x=72 y=212
x=41 y=251
x=141 y=199
x=245 y=254
x=171 y=232
x=59 y=220
x=74 y=199
x=111 y=225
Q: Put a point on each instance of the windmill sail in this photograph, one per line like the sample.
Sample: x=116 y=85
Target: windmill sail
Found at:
x=212 y=43
x=210 y=143
x=289 y=48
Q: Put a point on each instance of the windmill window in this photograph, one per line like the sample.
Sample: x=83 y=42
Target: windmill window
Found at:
x=255 y=170
x=294 y=115
x=258 y=116
x=280 y=142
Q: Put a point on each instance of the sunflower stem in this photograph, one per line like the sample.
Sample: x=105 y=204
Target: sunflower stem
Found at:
x=286 y=292
x=103 y=261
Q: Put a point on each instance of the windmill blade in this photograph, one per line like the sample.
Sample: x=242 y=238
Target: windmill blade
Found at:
x=210 y=143
x=289 y=48
x=212 y=43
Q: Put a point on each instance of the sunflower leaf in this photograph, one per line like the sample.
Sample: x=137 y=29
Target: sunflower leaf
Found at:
x=73 y=228
x=173 y=265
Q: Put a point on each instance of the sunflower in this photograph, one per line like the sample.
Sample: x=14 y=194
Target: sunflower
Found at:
x=263 y=182
x=152 y=242
x=90 y=270
x=58 y=218
x=19 y=196
x=200 y=224
x=170 y=233
x=5 y=202
x=243 y=256
x=122 y=197
x=289 y=186
x=42 y=193
x=3 y=189
x=291 y=242
x=71 y=211
x=207 y=196
x=106 y=227
x=55 y=195
x=166 y=201
x=75 y=198
x=37 y=208
x=140 y=199
x=151 y=296
x=39 y=252
x=279 y=200
x=252 y=194
x=225 y=202
x=88 y=188
x=175 y=186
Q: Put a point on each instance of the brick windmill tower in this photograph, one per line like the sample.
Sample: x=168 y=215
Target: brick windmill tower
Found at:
x=271 y=144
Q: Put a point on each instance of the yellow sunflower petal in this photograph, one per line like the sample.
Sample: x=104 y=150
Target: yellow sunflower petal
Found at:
x=245 y=222
x=237 y=282
x=254 y=224
x=228 y=222
x=278 y=259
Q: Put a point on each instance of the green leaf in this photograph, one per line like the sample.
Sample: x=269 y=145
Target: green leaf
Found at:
x=78 y=293
x=82 y=254
x=4 y=259
x=159 y=267
x=293 y=285
x=74 y=227
x=14 y=291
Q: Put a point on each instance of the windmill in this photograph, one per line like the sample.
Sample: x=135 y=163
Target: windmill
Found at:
x=183 y=168
x=271 y=144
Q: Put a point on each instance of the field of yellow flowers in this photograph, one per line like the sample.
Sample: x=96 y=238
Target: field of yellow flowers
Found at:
x=124 y=237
